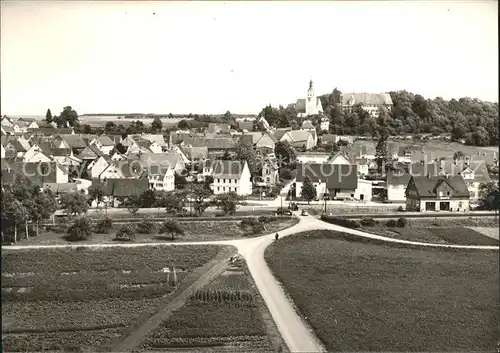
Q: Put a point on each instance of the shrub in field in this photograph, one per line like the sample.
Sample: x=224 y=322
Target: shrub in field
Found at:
x=402 y=222
x=391 y=223
x=103 y=225
x=343 y=222
x=368 y=222
x=248 y=222
x=146 y=225
x=80 y=230
x=172 y=227
x=266 y=219
x=126 y=232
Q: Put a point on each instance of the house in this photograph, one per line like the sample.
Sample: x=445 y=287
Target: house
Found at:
x=120 y=189
x=103 y=143
x=307 y=125
x=29 y=123
x=75 y=142
x=311 y=105
x=334 y=181
x=6 y=121
x=97 y=166
x=363 y=166
x=18 y=147
x=265 y=143
x=161 y=178
x=7 y=130
x=339 y=159
x=37 y=154
x=122 y=170
x=370 y=102
x=437 y=193
x=158 y=139
x=332 y=138
x=263 y=124
x=38 y=172
x=397 y=180
x=90 y=153
x=270 y=169
x=193 y=154
x=474 y=174
x=300 y=139
x=245 y=125
x=117 y=156
x=324 y=124
x=171 y=160
x=312 y=157
x=206 y=168
x=51 y=131
x=278 y=133
x=232 y=176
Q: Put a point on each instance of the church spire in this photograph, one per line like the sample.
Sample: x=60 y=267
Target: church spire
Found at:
x=311 y=84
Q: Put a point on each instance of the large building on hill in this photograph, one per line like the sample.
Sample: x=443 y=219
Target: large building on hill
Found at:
x=311 y=105
x=370 y=102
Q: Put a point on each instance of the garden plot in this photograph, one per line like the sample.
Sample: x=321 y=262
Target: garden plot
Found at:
x=223 y=316
x=63 y=299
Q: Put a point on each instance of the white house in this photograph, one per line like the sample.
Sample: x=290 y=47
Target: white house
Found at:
x=103 y=143
x=35 y=154
x=370 y=102
x=161 y=179
x=300 y=138
x=325 y=124
x=232 y=176
x=206 y=169
x=311 y=105
x=364 y=190
x=96 y=167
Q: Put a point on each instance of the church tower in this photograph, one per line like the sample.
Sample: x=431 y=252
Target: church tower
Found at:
x=310 y=91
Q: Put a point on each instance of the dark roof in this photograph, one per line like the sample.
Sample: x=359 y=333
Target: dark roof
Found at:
x=247 y=139
x=228 y=169
x=194 y=153
x=50 y=131
x=402 y=177
x=74 y=141
x=36 y=172
x=337 y=176
x=61 y=151
x=125 y=187
x=428 y=186
x=87 y=153
x=105 y=140
x=278 y=133
x=20 y=146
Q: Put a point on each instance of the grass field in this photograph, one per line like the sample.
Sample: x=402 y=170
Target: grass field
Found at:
x=63 y=299
x=224 y=315
x=439 y=231
x=194 y=231
x=363 y=296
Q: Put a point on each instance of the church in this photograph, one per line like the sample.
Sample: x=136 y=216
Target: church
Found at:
x=310 y=105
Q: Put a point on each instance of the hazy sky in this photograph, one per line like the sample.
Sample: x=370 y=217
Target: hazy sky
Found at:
x=209 y=57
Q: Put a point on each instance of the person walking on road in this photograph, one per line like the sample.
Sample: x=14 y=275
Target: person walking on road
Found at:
x=276 y=236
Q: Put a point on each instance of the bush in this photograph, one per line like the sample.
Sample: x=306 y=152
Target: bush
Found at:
x=343 y=222
x=81 y=229
x=391 y=223
x=368 y=222
x=266 y=219
x=401 y=209
x=258 y=228
x=103 y=225
x=249 y=222
x=126 y=232
x=402 y=222
x=146 y=226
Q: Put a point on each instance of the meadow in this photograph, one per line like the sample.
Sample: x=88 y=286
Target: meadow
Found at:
x=360 y=295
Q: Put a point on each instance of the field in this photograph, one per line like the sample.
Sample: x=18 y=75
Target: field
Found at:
x=224 y=315
x=364 y=296
x=63 y=299
x=440 y=231
x=194 y=231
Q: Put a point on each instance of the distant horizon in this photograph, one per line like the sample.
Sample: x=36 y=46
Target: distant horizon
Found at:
x=220 y=113
x=211 y=57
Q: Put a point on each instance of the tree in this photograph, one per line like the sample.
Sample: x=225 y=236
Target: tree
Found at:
x=179 y=181
x=68 y=117
x=132 y=203
x=96 y=193
x=86 y=129
x=381 y=152
x=245 y=152
x=81 y=229
x=13 y=212
x=48 y=116
x=308 y=190
x=174 y=202
x=45 y=204
x=458 y=155
x=183 y=124
x=208 y=181
x=148 y=199
x=489 y=196
x=285 y=173
x=227 y=116
x=200 y=194
x=226 y=156
x=109 y=127
x=285 y=153
x=156 y=125
x=228 y=203
x=126 y=232
x=74 y=203
x=172 y=227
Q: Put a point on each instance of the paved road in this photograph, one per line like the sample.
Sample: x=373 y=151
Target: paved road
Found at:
x=296 y=333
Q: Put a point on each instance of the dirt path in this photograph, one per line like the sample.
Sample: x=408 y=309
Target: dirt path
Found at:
x=205 y=274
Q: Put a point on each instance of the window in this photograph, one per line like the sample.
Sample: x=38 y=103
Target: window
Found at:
x=223 y=188
x=460 y=204
x=218 y=188
x=223 y=180
x=447 y=193
x=440 y=193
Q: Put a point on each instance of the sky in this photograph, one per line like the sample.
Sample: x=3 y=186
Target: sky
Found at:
x=210 y=57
